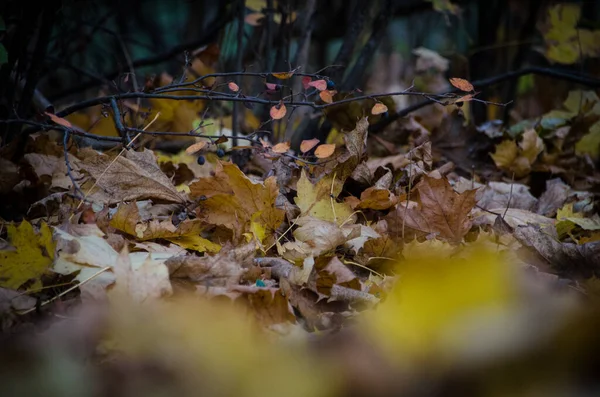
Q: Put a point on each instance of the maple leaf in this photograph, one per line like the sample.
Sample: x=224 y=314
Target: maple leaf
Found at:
x=31 y=258
x=187 y=234
x=134 y=176
x=268 y=305
x=316 y=201
x=440 y=210
x=234 y=201
x=519 y=159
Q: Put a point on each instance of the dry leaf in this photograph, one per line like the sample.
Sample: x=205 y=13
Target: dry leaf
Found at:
x=135 y=176
x=278 y=111
x=379 y=108
x=233 y=86
x=325 y=150
x=320 y=85
x=462 y=84
x=59 y=120
x=308 y=144
x=441 y=211
x=282 y=147
x=196 y=147
x=327 y=95
x=282 y=75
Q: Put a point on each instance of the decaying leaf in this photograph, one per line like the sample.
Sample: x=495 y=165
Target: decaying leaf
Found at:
x=234 y=201
x=440 y=211
x=134 y=176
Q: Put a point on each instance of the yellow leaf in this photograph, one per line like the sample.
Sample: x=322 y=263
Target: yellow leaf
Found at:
x=316 y=201
x=196 y=243
x=531 y=145
x=505 y=154
x=590 y=143
x=32 y=256
x=442 y=300
x=278 y=111
x=379 y=108
x=325 y=150
x=282 y=75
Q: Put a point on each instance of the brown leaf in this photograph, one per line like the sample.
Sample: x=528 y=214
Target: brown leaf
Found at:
x=278 y=111
x=269 y=305
x=462 y=84
x=135 y=176
x=441 y=211
x=377 y=199
x=236 y=202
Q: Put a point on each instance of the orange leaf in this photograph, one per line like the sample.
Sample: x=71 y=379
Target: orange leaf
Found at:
x=465 y=98
x=379 y=108
x=461 y=84
x=283 y=75
x=320 y=85
x=222 y=139
x=327 y=95
x=233 y=86
x=59 y=120
x=278 y=111
x=196 y=147
x=325 y=150
x=308 y=144
x=281 y=147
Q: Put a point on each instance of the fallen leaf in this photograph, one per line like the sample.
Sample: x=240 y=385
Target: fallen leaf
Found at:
x=315 y=200
x=31 y=257
x=377 y=199
x=234 y=201
x=321 y=236
x=134 y=176
x=440 y=210
x=268 y=305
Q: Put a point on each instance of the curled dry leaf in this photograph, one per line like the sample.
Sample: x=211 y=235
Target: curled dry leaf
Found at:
x=282 y=147
x=325 y=150
x=59 y=120
x=379 y=108
x=233 y=86
x=196 y=147
x=320 y=85
x=282 y=75
x=327 y=95
x=278 y=111
x=462 y=84
x=308 y=144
